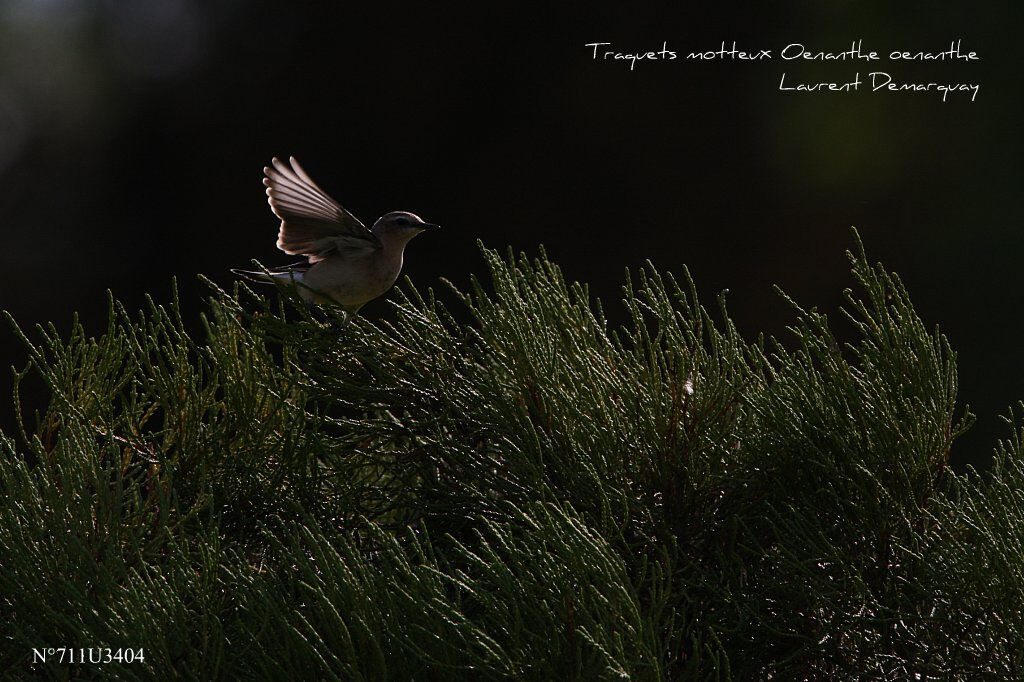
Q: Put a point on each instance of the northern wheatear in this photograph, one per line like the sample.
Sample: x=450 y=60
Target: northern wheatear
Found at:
x=347 y=263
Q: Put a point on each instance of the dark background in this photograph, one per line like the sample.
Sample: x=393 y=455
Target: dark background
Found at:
x=133 y=136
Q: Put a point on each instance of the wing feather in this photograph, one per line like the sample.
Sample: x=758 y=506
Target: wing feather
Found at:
x=312 y=223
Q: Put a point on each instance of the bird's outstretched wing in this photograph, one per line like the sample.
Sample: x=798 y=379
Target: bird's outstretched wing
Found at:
x=312 y=224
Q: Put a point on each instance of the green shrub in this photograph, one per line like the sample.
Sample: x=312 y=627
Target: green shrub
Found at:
x=530 y=494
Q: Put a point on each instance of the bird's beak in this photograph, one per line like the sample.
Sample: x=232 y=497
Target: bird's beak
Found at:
x=429 y=226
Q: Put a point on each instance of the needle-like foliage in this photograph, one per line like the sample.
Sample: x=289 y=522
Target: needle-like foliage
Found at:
x=507 y=486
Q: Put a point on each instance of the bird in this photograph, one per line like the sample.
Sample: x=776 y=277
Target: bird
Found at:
x=346 y=263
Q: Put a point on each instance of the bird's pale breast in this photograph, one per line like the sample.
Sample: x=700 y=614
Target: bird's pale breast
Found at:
x=353 y=279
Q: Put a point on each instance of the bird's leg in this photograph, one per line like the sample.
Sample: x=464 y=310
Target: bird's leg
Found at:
x=330 y=318
x=333 y=322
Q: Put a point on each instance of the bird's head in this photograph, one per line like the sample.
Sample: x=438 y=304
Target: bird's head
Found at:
x=400 y=226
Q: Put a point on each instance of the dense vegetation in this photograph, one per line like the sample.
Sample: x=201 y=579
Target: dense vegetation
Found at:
x=531 y=494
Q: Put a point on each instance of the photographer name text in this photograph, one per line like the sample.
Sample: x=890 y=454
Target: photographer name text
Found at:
x=869 y=81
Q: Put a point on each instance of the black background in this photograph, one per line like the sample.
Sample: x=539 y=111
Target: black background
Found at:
x=133 y=136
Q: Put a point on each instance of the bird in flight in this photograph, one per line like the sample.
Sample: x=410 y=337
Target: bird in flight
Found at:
x=346 y=263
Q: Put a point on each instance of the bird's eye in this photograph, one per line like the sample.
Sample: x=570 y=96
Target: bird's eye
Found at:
x=402 y=222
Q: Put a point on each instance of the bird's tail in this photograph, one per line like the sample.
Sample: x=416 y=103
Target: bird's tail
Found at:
x=268 y=277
